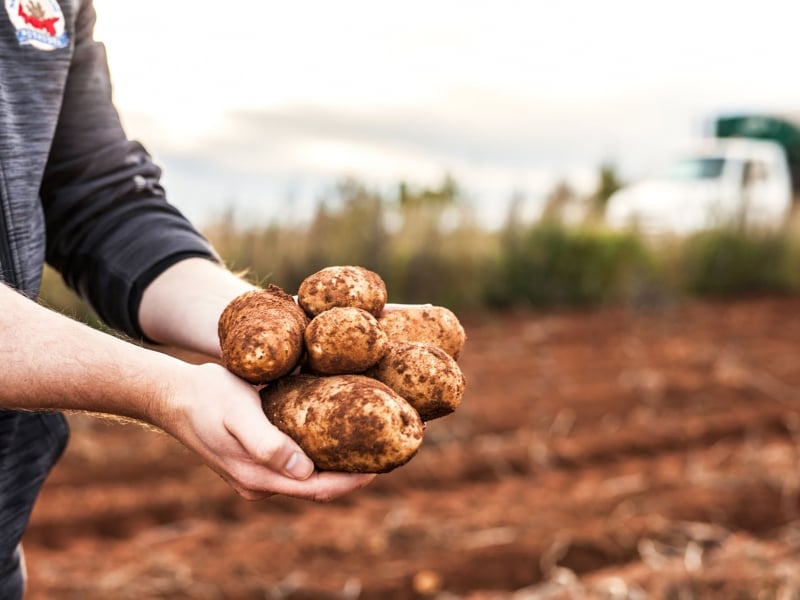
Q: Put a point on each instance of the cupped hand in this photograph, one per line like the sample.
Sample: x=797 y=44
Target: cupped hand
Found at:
x=219 y=416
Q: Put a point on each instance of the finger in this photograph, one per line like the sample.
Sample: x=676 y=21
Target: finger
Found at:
x=255 y=482
x=238 y=485
x=268 y=446
x=248 y=494
x=332 y=485
x=392 y=306
x=323 y=486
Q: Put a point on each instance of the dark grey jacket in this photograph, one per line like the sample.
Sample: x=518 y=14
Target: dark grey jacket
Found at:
x=76 y=192
x=72 y=185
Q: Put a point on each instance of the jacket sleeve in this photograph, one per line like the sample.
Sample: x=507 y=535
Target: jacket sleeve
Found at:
x=110 y=229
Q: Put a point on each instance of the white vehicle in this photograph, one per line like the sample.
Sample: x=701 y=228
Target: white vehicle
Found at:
x=717 y=182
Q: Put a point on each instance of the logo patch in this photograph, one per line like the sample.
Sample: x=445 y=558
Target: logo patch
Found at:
x=39 y=23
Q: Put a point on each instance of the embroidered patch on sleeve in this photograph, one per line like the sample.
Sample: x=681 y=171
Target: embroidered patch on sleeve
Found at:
x=39 y=23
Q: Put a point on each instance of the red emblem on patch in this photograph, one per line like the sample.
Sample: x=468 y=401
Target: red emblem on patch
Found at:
x=36 y=18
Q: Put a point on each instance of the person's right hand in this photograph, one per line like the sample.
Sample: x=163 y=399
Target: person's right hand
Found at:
x=219 y=416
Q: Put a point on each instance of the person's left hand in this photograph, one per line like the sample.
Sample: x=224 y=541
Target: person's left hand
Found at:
x=219 y=416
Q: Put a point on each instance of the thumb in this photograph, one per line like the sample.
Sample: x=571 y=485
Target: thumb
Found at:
x=268 y=446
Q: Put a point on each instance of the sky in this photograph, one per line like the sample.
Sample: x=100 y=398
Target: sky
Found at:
x=263 y=107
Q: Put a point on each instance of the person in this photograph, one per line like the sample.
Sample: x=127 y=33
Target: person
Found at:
x=76 y=193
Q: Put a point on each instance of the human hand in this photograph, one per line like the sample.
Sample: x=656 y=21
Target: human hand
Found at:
x=219 y=416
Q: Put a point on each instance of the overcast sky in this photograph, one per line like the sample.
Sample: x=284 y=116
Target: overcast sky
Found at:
x=265 y=105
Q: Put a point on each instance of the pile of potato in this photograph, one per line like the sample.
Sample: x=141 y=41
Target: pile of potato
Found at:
x=351 y=383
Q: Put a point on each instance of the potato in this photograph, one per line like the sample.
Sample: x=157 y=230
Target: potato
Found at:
x=425 y=375
x=344 y=339
x=342 y=286
x=261 y=334
x=435 y=325
x=348 y=423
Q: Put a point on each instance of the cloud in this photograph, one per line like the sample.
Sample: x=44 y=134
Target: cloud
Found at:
x=494 y=144
x=475 y=129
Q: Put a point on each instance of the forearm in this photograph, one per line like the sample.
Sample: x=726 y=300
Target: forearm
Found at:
x=181 y=307
x=52 y=362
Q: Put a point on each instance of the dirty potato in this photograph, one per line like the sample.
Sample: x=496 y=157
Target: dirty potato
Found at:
x=425 y=375
x=342 y=286
x=344 y=339
x=261 y=334
x=435 y=325
x=348 y=423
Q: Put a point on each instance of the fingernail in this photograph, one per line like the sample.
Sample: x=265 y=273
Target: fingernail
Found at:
x=299 y=466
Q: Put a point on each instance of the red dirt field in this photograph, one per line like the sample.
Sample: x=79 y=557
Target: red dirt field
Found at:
x=608 y=454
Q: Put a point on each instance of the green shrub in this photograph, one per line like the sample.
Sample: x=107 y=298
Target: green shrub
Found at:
x=730 y=261
x=550 y=265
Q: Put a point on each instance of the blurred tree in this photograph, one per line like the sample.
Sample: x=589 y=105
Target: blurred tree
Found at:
x=558 y=201
x=446 y=194
x=423 y=212
x=608 y=182
x=434 y=244
x=513 y=218
x=348 y=229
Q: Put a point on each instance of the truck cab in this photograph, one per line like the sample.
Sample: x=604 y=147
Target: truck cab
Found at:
x=734 y=178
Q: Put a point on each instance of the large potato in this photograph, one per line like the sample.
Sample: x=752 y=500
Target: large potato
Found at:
x=435 y=325
x=425 y=375
x=344 y=339
x=261 y=334
x=342 y=286
x=348 y=423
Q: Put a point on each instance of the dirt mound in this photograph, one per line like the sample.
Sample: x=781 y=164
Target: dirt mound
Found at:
x=608 y=454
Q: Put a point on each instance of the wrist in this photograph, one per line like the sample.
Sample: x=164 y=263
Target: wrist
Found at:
x=167 y=393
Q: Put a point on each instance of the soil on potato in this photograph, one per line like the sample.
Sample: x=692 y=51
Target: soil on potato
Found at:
x=602 y=454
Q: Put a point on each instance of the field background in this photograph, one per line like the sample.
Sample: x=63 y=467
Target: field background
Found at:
x=630 y=429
